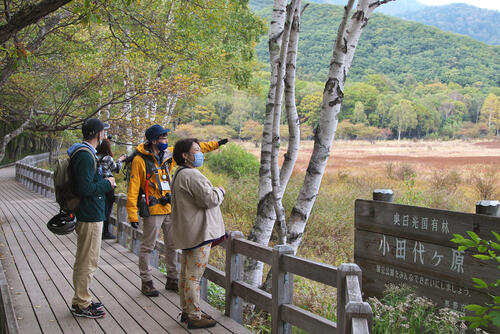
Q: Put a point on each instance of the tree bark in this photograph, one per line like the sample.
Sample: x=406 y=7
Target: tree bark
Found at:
x=27 y=16
x=9 y=136
x=290 y=106
x=347 y=39
x=264 y=221
x=275 y=170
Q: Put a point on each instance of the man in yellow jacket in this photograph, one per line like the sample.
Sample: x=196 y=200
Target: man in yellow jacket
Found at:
x=150 y=178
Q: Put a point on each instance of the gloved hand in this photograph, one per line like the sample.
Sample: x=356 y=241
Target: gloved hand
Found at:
x=134 y=225
x=222 y=141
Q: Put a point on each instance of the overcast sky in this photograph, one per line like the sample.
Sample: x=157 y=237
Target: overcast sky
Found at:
x=490 y=4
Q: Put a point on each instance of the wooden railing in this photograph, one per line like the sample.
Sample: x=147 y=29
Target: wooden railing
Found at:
x=353 y=315
x=37 y=179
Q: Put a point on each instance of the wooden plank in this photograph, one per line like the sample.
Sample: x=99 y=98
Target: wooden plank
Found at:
x=8 y=316
x=215 y=275
x=428 y=225
x=169 y=299
x=319 y=272
x=34 y=217
x=282 y=290
x=158 y=278
x=253 y=295
x=353 y=289
x=66 y=289
x=41 y=268
x=24 y=312
x=234 y=306
x=253 y=250
x=121 y=313
x=44 y=315
x=360 y=326
x=116 y=270
x=306 y=320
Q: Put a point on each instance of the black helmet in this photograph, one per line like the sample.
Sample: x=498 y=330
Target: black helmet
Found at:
x=62 y=223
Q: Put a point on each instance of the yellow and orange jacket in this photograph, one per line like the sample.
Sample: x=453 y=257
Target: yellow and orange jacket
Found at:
x=138 y=179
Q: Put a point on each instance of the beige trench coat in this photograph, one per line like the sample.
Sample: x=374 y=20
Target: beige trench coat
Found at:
x=196 y=215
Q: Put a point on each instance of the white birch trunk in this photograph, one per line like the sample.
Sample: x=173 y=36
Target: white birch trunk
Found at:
x=264 y=221
x=275 y=170
x=347 y=39
x=290 y=106
x=169 y=109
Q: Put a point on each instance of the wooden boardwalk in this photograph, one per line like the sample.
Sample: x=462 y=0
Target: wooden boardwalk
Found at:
x=38 y=266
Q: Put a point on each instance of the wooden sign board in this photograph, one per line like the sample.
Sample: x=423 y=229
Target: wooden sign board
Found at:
x=407 y=244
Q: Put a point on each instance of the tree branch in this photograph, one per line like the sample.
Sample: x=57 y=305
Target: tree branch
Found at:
x=27 y=16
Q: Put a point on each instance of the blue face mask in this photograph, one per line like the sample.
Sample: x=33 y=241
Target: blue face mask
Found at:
x=198 y=159
x=161 y=146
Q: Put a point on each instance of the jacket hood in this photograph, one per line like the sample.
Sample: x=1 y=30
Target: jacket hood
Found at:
x=76 y=146
x=141 y=148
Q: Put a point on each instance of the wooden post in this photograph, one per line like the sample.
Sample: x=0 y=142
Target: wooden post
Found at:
x=234 y=308
x=357 y=310
x=121 y=217
x=384 y=195
x=489 y=208
x=342 y=271
x=203 y=288
x=282 y=290
x=43 y=181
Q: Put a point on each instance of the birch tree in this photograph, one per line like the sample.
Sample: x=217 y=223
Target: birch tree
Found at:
x=271 y=188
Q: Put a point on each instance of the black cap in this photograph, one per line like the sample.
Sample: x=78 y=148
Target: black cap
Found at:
x=155 y=131
x=92 y=126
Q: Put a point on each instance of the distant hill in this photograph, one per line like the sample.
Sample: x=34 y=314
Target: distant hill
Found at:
x=478 y=23
x=394 y=47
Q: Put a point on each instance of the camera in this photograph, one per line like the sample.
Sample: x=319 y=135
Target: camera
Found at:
x=166 y=199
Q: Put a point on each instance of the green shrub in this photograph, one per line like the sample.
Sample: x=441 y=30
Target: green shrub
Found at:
x=488 y=250
x=233 y=160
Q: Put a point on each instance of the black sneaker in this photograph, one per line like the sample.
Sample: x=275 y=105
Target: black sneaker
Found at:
x=97 y=306
x=89 y=312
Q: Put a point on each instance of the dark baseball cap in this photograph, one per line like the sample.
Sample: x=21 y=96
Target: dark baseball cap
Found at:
x=155 y=131
x=92 y=126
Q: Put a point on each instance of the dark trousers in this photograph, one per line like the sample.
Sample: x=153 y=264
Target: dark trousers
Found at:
x=110 y=199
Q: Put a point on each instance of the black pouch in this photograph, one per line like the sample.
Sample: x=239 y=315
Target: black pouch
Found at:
x=143 y=207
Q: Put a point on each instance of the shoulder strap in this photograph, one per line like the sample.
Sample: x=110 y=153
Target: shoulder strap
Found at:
x=84 y=148
x=148 y=161
x=175 y=176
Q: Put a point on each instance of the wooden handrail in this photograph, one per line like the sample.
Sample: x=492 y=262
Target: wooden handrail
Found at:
x=353 y=314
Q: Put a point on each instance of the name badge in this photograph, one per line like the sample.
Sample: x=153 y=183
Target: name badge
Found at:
x=165 y=185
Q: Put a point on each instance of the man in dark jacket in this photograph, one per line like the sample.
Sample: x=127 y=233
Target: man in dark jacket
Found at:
x=91 y=187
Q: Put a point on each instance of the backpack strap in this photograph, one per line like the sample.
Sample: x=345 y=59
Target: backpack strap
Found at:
x=84 y=148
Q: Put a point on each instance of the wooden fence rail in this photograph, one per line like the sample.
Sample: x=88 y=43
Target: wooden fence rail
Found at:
x=353 y=315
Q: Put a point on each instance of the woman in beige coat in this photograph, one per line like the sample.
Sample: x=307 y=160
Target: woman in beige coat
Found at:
x=196 y=222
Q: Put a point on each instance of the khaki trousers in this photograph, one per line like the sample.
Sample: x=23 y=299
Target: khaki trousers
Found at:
x=150 y=231
x=193 y=264
x=88 y=247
